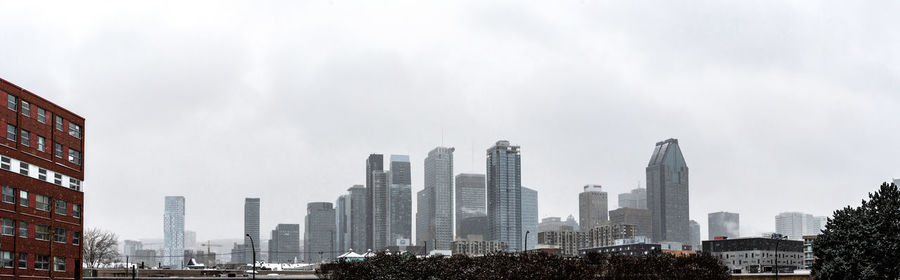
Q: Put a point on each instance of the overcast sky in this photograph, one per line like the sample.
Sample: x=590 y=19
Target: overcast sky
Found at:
x=778 y=105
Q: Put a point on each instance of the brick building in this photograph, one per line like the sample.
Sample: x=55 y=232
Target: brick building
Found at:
x=41 y=174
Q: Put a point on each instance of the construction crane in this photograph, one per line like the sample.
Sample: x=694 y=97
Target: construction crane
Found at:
x=208 y=245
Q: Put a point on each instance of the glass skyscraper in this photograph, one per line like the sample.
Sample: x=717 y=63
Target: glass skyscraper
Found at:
x=375 y=162
x=469 y=200
x=251 y=227
x=401 y=199
x=357 y=218
x=319 y=231
x=504 y=195
x=529 y=217
x=173 y=232
x=667 y=193
x=439 y=188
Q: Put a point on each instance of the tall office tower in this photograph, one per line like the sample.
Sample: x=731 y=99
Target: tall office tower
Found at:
x=319 y=230
x=357 y=218
x=504 y=194
x=469 y=199
x=381 y=223
x=439 y=179
x=342 y=237
x=795 y=225
x=530 y=220
x=724 y=224
x=284 y=247
x=695 y=236
x=637 y=198
x=173 y=232
x=251 y=227
x=41 y=171
x=401 y=200
x=593 y=207
x=640 y=218
x=375 y=162
x=190 y=240
x=425 y=219
x=667 y=193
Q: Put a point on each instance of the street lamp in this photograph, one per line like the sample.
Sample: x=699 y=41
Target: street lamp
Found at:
x=777 y=237
x=526 y=242
x=253 y=248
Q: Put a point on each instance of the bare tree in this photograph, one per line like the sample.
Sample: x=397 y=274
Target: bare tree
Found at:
x=100 y=247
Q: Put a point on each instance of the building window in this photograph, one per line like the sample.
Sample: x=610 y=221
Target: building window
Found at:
x=23 y=198
x=61 y=208
x=26 y=138
x=76 y=238
x=42 y=202
x=23 y=260
x=42 y=262
x=11 y=102
x=7 y=227
x=57 y=178
x=74 y=156
x=41 y=144
x=42 y=232
x=23 y=229
x=59 y=235
x=58 y=150
x=23 y=168
x=9 y=194
x=42 y=174
x=59 y=264
x=59 y=123
x=42 y=115
x=6 y=259
x=75 y=130
x=74 y=184
x=5 y=163
x=10 y=132
x=76 y=210
x=26 y=108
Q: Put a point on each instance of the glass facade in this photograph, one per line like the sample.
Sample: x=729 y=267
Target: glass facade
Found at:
x=667 y=193
x=504 y=195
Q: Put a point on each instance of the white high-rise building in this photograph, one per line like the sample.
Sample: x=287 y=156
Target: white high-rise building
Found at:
x=795 y=225
x=173 y=232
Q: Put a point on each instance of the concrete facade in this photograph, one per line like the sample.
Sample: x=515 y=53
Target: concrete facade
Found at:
x=668 y=193
x=319 y=230
x=593 y=207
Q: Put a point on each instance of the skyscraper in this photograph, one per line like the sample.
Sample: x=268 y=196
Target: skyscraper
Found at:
x=795 y=225
x=593 y=207
x=357 y=218
x=637 y=199
x=439 y=179
x=251 y=227
x=284 y=247
x=529 y=218
x=381 y=223
x=640 y=218
x=667 y=193
x=469 y=199
x=375 y=162
x=504 y=194
x=695 y=236
x=190 y=240
x=319 y=231
x=425 y=219
x=724 y=224
x=401 y=200
x=342 y=237
x=173 y=232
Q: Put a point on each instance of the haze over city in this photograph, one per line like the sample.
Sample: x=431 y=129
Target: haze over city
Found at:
x=777 y=107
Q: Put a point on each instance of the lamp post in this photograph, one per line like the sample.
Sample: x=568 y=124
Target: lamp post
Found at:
x=525 y=249
x=253 y=248
x=777 y=237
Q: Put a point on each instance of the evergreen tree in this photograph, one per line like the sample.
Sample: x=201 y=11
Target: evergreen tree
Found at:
x=862 y=242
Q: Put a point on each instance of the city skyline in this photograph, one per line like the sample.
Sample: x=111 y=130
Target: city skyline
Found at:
x=313 y=102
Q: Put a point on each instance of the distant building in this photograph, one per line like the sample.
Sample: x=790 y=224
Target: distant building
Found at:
x=284 y=247
x=808 y=257
x=439 y=187
x=640 y=218
x=146 y=257
x=341 y=215
x=251 y=227
x=555 y=224
x=425 y=219
x=529 y=217
x=667 y=193
x=634 y=249
x=756 y=255
x=795 y=225
x=473 y=226
x=190 y=240
x=173 y=232
x=476 y=246
x=319 y=230
x=637 y=199
x=375 y=162
x=568 y=242
x=400 y=201
x=593 y=207
x=381 y=225
x=504 y=194
x=470 y=199
x=357 y=218
x=724 y=224
x=606 y=235
x=130 y=247
x=696 y=242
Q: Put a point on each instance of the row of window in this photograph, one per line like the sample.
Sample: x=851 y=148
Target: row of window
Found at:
x=42 y=174
x=41 y=262
x=11 y=100
x=41 y=202
x=25 y=140
x=41 y=232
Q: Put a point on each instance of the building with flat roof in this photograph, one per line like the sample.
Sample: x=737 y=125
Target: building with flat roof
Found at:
x=795 y=225
x=593 y=207
x=41 y=170
x=357 y=218
x=529 y=218
x=636 y=198
x=808 y=257
x=400 y=181
x=640 y=218
x=724 y=224
x=439 y=189
x=476 y=246
x=470 y=200
x=504 y=194
x=756 y=254
x=319 y=230
x=284 y=247
x=173 y=233
x=668 y=193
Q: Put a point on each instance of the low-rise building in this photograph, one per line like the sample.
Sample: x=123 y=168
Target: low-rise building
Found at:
x=567 y=243
x=756 y=255
x=606 y=235
x=808 y=257
x=637 y=249
x=476 y=246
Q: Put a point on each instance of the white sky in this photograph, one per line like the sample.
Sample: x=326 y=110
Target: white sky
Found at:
x=778 y=105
